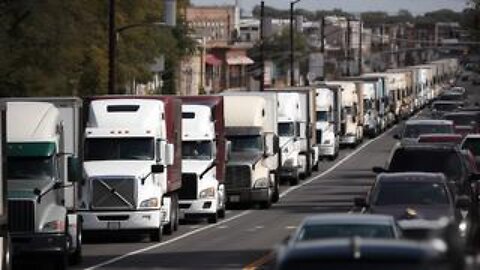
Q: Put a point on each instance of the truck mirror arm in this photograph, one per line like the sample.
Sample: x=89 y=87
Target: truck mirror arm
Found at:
x=212 y=165
x=57 y=185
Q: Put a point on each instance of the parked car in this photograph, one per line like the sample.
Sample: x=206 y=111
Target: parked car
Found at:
x=413 y=129
x=345 y=226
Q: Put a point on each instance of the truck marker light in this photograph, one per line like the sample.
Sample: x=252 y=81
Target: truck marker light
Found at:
x=148 y=131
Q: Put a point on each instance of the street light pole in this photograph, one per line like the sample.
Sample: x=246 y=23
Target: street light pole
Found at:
x=292 y=44
x=112 y=48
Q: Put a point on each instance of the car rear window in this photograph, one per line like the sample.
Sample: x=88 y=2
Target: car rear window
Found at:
x=324 y=231
x=410 y=193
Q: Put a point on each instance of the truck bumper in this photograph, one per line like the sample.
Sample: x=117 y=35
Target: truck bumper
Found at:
x=40 y=243
x=200 y=207
x=248 y=195
x=348 y=140
x=327 y=150
x=112 y=221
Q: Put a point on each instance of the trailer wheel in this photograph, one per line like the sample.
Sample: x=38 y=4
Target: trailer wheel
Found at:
x=276 y=192
x=221 y=212
x=295 y=179
x=170 y=227
x=212 y=218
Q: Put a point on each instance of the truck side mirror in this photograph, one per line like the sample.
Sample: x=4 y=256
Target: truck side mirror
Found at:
x=73 y=165
x=156 y=168
x=228 y=150
x=269 y=143
x=165 y=153
x=360 y=202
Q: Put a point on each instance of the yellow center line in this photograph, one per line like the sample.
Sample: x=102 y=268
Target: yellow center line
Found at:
x=259 y=262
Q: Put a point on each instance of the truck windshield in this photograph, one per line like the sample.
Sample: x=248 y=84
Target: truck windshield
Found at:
x=286 y=129
x=30 y=168
x=246 y=143
x=199 y=150
x=322 y=116
x=119 y=149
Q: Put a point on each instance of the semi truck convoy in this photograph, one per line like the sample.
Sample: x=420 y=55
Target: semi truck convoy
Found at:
x=204 y=155
x=44 y=149
x=133 y=156
x=352 y=110
x=251 y=126
x=329 y=118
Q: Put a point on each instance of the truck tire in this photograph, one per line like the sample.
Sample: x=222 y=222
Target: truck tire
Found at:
x=295 y=179
x=276 y=191
x=221 y=212
x=212 y=218
x=172 y=226
x=266 y=204
x=76 y=257
x=157 y=234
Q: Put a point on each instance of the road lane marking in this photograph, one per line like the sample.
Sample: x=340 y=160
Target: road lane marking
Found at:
x=290 y=227
x=241 y=214
x=259 y=262
x=180 y=237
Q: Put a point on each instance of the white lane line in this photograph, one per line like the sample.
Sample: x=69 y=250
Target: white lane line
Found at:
x=138 y=251
x=346 y=158
x=241 y=214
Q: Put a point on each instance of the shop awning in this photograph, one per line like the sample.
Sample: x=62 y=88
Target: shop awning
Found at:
x=239 y=60
x=213 y=60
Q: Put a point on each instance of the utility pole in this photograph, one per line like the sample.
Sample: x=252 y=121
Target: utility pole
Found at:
x=292 y=49
x=360 y=49
x=112 y=48
x=322 y=45
x=349 y=32
x=262 y=46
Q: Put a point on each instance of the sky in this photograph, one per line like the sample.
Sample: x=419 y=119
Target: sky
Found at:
x=392 y=6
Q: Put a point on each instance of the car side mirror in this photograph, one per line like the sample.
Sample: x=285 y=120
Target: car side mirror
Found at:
x=360 y=202
x=462 y=202
x=157 y=168
x=378 y=170
x=397 y=137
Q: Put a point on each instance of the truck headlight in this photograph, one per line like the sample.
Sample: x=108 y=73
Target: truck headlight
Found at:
x=261 y=183
x=207 y=193
x=150 y=203
x=54 y=226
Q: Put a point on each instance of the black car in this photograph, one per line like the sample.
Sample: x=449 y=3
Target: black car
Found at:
x=433 y=158
x=363 y=254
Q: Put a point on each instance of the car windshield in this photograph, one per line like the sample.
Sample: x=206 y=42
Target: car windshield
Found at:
x=473 y=145
x=119 y=149
x=445 y=107
x=454 y=97
x=414 y=131
x=324 y=231
x=322 y=116
x=410 y=193
x=200 y=150
x=30 y=168
x=286 y=129
x=462 y=119
x=423 y=160
x=246 y=143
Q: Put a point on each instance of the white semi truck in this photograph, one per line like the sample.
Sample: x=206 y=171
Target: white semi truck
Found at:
x=329 y=118
x=352 y=110
x=44 y=172
x=132 y=165
x=251 y=126
x=204 y=158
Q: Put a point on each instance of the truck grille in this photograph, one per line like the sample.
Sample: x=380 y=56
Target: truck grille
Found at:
x=113 y=193
x=21 y=216
x=189 y=188
x=237 y=177
x=319 y=136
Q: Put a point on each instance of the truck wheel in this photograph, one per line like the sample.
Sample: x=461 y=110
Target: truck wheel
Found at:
x=212 y=218
x=295 y=180
x=266 y=204
x=76 y=257
x=276 y=192
x=6 y=254
x=172 y=226
x=221 y=212
x=157 y=234
x=61 y=262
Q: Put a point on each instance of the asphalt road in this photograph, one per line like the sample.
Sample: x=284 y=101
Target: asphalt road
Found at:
x=245 y=238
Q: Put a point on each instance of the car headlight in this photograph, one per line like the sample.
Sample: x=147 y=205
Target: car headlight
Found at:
x=150 y=203
x=54 y=226
x=261 y=183
x=462 y=228
x=207 y=193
